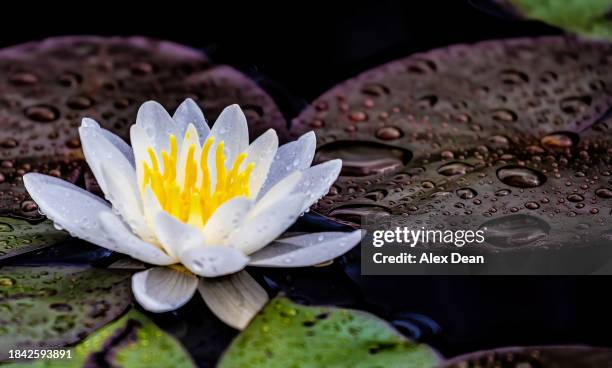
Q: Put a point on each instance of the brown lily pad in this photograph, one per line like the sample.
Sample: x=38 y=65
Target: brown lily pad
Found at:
x=474 y=133
x=49 y=86
x=541 y=357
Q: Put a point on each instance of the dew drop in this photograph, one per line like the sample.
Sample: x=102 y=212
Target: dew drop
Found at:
x=575 y=105
x=141 y=68
x=498 y=141
x=455 y=168
x=80 y=102
x=428 y=184
x=504 y=115
x=511 y=76
x=9 y=143
x=42 y=113
x=375 y=90
x=575 y=197
x=5 y=228
x=603 y=193
x=23 y=79
x=6 y=281
x=466 y=193
x=73 y=143
x=28 y=206
x=376 y=195
x=559 y=140
x=388 y=133
x=70 y=79
x=364 y=158
x=520 y=177
x=515 y=231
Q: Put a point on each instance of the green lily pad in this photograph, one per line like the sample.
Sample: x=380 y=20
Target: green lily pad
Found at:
x=47 y=307
x=587 y=17
x=131 y=341
x=19 y=236
x=289 y=335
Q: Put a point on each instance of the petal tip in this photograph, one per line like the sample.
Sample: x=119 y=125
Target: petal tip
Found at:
x=150 y=107
x=89 y=123
x=168 y=291
x=33 y=181
x=335 y=167
x=309 y=135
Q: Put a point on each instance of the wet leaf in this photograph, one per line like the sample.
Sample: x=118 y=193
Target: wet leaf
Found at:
x=131 y=341
x=20 y=236
x=460 y=136
x=45 y=307
x=49 y=86
x=586 y=17
x=285 y=334
x=551 y=356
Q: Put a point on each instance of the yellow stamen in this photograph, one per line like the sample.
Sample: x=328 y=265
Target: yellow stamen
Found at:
x=195 y=199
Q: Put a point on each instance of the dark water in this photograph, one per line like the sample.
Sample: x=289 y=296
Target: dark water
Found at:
x=455 y=314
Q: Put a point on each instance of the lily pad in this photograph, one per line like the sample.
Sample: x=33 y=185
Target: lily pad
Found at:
x=20 y=236
x=475 y=133
x=544 y=357
x=586 y=17
x=286 y=335
x=131 y=341
x=49 y=86
x=46 y=307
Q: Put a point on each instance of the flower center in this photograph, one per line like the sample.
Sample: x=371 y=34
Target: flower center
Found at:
x=183 y=184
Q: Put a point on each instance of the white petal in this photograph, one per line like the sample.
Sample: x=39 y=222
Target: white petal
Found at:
x=306 y=250
x=140 y=142
x=235 y=299
x=187 y=113
x=225 y=219
x=266 y=226
x=157 y=124
x=124 y=241
x=162 y=289
x=176 y=236
x=231 y=128
x=150 y=206
x=261 y=152
x=278 y=192
x=317 y=180
x=98 y=149
x=114 y=139
x=69 y=206
x=213 y=261
x=123 y=193
x=290 y=157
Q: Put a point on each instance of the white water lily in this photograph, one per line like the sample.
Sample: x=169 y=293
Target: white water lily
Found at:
x=200 y=203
